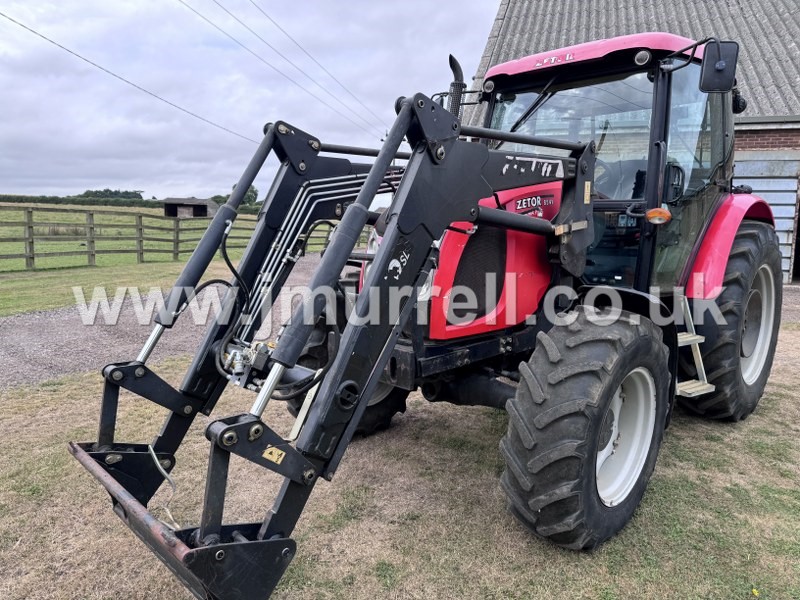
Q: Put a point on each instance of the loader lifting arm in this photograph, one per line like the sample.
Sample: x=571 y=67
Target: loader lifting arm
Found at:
x=443 y=181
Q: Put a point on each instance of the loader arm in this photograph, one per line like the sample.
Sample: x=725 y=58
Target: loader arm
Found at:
x=443 y=182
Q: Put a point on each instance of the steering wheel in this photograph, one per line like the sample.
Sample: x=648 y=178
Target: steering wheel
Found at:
x=605 y=181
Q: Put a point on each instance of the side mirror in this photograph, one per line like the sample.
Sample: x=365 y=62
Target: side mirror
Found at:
x=674 y=181
x=718 y=72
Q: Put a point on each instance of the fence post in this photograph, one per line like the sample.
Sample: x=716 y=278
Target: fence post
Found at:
x=139 y=239
x=176 y=239
x=29 y=251
x=90 y=249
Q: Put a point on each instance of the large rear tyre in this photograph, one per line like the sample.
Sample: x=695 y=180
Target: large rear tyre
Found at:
x=585 y=428
x=738 y=353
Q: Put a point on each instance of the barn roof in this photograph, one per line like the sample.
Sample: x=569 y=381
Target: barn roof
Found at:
x=768 y=32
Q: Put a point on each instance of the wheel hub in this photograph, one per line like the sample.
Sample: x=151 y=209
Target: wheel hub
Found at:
x=752 y=323
x=757 y=325
x=625 y=437
x=607 y=429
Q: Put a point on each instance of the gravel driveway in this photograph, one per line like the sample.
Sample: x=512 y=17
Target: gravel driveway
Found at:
x=45 y=345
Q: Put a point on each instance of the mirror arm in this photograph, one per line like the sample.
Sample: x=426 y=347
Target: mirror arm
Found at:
x=669 y=68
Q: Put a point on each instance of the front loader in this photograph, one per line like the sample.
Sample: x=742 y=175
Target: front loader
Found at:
x=552 y=263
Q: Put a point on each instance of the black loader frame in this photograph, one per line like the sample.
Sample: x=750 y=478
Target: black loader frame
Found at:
x=442 y=182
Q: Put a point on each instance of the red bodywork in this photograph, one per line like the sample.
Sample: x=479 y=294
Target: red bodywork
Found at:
x=527 y=270
x=592 y=51
x=708 y=270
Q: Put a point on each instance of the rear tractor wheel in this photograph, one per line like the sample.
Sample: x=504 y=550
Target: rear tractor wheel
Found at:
x=738 y=353
x=585 y=428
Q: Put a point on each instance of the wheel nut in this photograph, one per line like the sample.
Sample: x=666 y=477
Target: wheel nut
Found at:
x=229 y=438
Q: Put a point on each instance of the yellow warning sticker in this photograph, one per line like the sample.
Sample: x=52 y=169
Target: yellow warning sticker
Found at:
x=587 y=192
x=274 y=454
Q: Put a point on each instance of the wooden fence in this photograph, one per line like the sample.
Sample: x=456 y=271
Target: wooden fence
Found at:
x=51 y=233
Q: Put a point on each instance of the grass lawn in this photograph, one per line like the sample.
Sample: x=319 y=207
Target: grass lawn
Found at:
x=50 y=285
x=416 y=511
x=46 y=289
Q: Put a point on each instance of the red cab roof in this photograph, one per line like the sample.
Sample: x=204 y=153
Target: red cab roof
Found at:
x=593 y=50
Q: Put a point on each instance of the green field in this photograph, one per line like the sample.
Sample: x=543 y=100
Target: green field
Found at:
x=60 y=230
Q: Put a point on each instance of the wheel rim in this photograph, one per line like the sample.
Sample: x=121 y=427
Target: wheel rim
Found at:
x=380 y=394
x=625 y=437
x=759 y=317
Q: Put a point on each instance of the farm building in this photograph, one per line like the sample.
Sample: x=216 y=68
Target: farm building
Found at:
x=185 y=208
x=767 y=133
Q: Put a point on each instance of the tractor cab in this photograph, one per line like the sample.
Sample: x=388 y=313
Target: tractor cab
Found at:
x=664 y=146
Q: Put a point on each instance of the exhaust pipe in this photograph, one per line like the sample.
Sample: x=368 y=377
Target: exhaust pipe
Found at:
x=457 y=88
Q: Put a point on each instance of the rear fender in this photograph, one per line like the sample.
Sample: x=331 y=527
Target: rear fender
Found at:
x=649 y=307
x=705 y=278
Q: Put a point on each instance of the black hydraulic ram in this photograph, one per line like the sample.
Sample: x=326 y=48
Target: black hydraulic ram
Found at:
x=209 y=244
x=299 y=329
x=510 y=220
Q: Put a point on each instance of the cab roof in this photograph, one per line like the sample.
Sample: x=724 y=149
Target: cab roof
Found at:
x=593 y=50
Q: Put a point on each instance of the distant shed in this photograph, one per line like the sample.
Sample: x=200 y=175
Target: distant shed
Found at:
x=185 y=208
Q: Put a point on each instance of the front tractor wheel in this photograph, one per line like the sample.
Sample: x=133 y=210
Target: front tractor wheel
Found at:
x=585 y=427
x=384 y=404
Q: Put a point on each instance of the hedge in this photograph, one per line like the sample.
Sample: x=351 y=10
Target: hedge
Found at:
x=78 y=201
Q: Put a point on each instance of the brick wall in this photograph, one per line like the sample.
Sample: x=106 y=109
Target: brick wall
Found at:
x=776 y=139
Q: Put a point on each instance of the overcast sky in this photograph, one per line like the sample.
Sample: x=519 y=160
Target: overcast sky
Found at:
x=66 y=126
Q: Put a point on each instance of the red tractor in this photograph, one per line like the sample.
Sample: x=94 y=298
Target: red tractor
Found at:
x=582 y=260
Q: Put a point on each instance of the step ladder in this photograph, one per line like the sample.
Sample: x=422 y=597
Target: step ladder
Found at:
x=691 y=388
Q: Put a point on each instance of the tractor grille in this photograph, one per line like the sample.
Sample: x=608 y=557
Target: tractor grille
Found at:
x=484 y=253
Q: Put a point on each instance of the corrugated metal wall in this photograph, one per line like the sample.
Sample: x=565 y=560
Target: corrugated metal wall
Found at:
x=775 y=180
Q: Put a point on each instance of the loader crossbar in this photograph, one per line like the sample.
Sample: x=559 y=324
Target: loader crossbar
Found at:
x=442 y=182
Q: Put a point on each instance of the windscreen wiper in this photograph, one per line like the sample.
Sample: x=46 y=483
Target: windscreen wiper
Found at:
x=535 y=105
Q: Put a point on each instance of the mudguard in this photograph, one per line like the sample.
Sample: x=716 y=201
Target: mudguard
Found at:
x=704 y=280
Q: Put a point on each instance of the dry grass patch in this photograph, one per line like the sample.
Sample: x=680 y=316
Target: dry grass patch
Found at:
x=415 y=512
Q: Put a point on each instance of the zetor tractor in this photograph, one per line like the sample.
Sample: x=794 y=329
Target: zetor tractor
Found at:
x=554 y=263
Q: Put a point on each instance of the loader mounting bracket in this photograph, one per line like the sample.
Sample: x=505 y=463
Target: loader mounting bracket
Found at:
x=296 y=147
x=434 y=125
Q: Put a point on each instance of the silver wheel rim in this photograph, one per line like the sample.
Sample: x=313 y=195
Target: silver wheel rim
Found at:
x=380 y=394
x=625 y=437
x=759 y=317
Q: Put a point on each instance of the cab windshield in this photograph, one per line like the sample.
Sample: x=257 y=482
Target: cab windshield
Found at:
x=615 y=112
